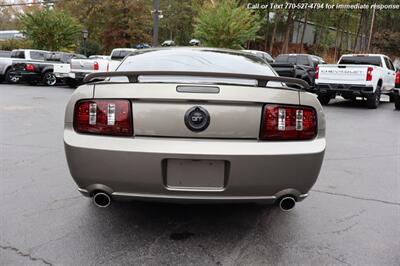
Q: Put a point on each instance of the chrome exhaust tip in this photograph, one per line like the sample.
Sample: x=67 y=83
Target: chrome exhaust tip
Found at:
x=101 y=200
x=287 y=203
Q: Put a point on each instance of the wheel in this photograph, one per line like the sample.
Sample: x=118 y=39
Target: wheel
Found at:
x=324 y=98
x=391 y=98
x=374 y=99
x=10 y=78
x=49 y=79
x=396 y=99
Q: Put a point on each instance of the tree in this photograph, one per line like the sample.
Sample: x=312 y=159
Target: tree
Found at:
x=178 y=20
x=128 y=24
x=225 y=24
x=112 y=23
x=50 y=29
x=387 y=41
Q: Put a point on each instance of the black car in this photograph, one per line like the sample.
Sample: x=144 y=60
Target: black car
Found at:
x=300 y=66
x=35 y=72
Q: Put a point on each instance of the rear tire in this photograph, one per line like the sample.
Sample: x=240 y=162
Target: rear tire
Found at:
x=11 y=78
x=391 y=98
x=49 y=79
x=396 y=99
x=374 y=99
x=324 y=98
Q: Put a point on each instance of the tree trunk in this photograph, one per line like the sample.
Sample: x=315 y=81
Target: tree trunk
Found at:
x=277 y=17
x=288 y=27
x=364 y=32
x=355 y=46
x=304 y=31
x=266 y=32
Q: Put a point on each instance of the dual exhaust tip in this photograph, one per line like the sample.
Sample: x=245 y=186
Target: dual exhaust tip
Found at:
x=103 y=200
x=287 y=203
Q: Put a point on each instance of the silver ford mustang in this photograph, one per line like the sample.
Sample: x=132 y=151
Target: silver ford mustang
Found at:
x=194 y=125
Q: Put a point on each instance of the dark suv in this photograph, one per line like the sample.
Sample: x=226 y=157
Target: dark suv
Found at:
x=300 y=66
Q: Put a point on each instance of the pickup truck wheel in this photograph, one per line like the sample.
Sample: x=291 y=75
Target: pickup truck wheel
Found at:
x=374 y=99
x=11 y=78
x=396 y=99
x=49 y=79
x=391 y=98
x=324 y=98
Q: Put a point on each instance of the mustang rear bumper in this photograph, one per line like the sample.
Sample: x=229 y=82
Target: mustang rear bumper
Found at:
x=136 y=168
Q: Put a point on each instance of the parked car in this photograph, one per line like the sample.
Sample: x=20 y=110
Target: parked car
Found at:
x=20 y=55
x=266 y=56
x=194 y=42
x=396 y=91
x=168 y=43
x=80 y=68
x=142 y=46
x=356 y=75
x=302 y=66
x=168 y=127
x=35 y=72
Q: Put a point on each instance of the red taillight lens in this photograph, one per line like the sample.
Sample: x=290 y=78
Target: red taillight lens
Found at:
x=397 y=78
x=316 y=72
x=104 y=117
x=30 y=67
x=288 y=123
x=96 y=65
x=369 y=74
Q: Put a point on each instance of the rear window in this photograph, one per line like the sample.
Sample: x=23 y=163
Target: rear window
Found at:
x=18 y=54
x=361 y=60
x=120 y=54
x=303 y=60
x=54 y=57
x=37 y=55
x=196 y=60
x=282 y=59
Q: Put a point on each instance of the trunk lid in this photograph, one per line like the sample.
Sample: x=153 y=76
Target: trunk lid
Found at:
x=163 y=110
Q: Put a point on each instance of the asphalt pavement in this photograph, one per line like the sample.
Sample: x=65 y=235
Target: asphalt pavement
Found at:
x=352 y=216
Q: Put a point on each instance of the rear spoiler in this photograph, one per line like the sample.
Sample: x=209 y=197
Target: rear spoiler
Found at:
x=133 y=76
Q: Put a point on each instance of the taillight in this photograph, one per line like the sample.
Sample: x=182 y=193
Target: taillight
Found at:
x=30 y=67
x=96 y=65
x=288 y=123
x=397 y=78
x=316 y=72
x=369 y=74
x=104 y=117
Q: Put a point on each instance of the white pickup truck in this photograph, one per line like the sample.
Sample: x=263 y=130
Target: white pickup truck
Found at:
x=359 y=75
x=80 y=68
x=20 y=55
